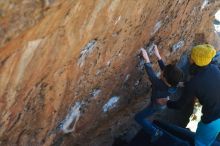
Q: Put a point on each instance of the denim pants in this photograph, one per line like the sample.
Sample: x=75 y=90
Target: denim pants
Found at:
x=151 y=128
x=207 y=133
x=147 y=125
x=182 y=133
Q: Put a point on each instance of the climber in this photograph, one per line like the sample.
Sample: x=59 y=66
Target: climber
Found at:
x=161 y=90
x=204 y=85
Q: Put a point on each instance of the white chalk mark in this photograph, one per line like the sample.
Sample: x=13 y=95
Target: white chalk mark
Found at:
x=140 y=65
x=72 y=116
x=217 y=21
x=108 y=63
x=98 y=72
x=150 y=49
x=86 y=51
x=156 y=27
x=205 y=2
x=217 y=15
x=112 y=103
x=119 y=18
x=217 y=28
x=95 y=92
x=127 y=77
x=137 y=83
x=178 y=46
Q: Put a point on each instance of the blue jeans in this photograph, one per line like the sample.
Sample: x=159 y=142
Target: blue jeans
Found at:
x=151 y=128
x=207 y=133
x=147 y=125
x=182 y=133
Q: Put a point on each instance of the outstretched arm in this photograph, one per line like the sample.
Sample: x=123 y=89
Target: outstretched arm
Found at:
x=160 y=61
x=145 y=55
x=152 y=76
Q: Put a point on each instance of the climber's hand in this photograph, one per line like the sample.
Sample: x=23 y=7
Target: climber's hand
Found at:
x=156 y=52
x=145 y=55
x=162 y=101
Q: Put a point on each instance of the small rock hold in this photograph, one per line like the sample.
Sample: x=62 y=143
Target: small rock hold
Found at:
x=150 y=48
x=98 y=72
x=109 y=63
x=127 y=77
x=137 y=83
x=204 y=4
x=178 y=46
x=95 y=92
x=140 y=66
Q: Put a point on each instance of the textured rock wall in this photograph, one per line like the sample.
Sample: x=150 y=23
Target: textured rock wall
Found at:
x=69 y=70
x=19 y=15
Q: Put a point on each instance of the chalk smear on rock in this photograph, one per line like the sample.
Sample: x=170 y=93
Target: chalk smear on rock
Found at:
x=72 y=117
x=112 y=103
x=204 y=4
x=156 y=27
x=178 y=46
x=86 y=51
x=127 y=78
x=95 y=92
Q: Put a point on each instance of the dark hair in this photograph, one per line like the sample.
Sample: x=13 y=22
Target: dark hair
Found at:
x=173 y=74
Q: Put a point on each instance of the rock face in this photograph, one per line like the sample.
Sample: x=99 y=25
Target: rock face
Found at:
x=70 y=72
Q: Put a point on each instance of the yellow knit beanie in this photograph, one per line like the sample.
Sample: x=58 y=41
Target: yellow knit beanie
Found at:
x=202 y=54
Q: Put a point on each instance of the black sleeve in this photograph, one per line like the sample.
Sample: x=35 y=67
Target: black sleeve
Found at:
x=187 y=96
x=152 y=76
x=161 y=64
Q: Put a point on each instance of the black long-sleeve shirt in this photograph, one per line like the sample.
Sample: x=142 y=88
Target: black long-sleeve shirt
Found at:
x=205 y=85
x=159 y=88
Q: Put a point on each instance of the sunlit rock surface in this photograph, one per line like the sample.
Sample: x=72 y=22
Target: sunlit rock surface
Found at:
x=70 y=71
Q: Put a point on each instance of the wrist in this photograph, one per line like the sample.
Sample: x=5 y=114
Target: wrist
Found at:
x=159 y=57
x=146 y=61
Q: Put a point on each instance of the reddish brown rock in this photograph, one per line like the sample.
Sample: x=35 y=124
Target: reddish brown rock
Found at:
x=72 y=66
